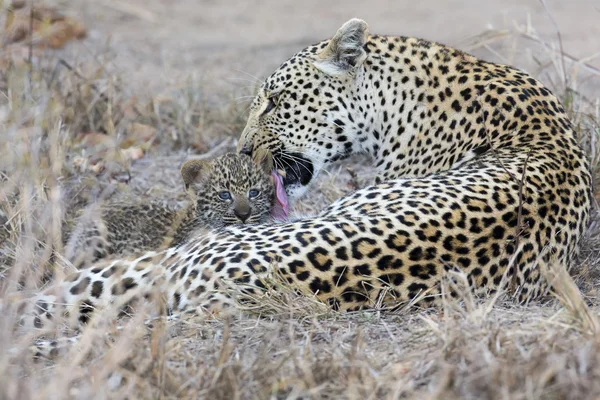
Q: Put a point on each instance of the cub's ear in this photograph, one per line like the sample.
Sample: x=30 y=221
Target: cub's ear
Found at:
x=194 y=172
x=345 y=50
x=264 y=159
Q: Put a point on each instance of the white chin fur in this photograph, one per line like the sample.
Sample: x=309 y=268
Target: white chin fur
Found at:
x=296 y=190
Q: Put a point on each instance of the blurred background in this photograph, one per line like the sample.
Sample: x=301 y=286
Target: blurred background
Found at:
x=155 y=41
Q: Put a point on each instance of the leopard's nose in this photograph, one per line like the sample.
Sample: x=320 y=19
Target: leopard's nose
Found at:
x=242 y=211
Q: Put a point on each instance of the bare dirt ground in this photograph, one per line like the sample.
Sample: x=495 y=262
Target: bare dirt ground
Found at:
x=169 y=78
x=155 y=41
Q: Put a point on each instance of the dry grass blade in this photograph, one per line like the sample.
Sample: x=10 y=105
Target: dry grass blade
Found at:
x=566 y=291
x=132 y=9
x=63 y=125
x=279 y=297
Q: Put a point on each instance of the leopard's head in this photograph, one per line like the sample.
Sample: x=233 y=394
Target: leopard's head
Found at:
x=231 y=189
x=301 y=111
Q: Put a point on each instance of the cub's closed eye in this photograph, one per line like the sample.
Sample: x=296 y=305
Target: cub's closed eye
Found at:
x=252 y=193
x=224 y=195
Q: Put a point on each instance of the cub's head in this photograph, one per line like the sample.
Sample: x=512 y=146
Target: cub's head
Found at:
x=231 y=189
x=302 y=112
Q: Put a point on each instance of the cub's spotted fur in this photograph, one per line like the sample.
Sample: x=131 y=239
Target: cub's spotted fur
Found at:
x=228 y=190
x=480 y=171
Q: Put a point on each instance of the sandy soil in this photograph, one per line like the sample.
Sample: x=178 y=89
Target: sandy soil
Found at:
x=154 y=42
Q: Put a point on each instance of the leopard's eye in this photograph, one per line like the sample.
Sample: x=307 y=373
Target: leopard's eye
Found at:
x=272 y=103
x=225 y=195
x=270 y=106
x=252 y=193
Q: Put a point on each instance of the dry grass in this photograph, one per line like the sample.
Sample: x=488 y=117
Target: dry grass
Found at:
x=287 y=346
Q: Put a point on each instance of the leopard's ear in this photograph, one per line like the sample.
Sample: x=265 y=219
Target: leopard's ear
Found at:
x=345 y=51
x=195 y=172
x=264 y=159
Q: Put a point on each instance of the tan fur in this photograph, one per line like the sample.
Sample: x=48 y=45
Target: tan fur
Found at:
x=134 y=227
x=479 y=171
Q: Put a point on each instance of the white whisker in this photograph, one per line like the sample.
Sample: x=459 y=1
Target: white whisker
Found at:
x=257 y=79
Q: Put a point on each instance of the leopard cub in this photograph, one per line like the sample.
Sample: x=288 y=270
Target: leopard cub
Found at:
x=228 y=190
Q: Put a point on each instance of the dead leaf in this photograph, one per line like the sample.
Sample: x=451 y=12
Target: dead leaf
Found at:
x=95 y=141
x=97 y=168
x=44 y=25
x=80 y=163
x=132 y=153
x=140 y=135
x=61 y=33
x=200 y=147
x=143 y=132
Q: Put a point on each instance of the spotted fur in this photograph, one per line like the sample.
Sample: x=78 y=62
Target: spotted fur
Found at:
x=134 y=227
x=479 y=166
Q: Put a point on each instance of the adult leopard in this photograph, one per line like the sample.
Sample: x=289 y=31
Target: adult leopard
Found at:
x=479 y=170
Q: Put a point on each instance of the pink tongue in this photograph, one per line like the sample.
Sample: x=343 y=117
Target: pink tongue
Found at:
x=281 y=208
